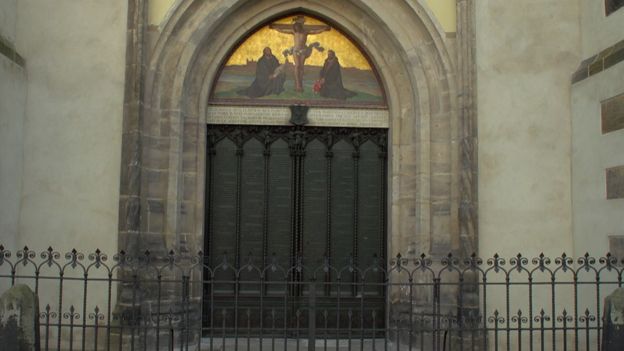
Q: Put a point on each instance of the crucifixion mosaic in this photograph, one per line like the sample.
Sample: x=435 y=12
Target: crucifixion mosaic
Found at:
x=298 y=59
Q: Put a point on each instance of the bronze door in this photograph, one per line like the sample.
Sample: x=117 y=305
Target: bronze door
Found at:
x=296 y=211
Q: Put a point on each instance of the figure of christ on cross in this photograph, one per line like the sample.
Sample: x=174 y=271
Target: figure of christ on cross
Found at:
x=300 y=51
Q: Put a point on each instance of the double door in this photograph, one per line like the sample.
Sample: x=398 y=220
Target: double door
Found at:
x=295 y=228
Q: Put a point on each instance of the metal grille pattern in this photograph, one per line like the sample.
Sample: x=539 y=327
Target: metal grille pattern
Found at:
x=295 y=192
x=432 y=303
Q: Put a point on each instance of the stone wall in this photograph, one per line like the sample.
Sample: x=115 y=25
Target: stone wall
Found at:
x=162 y=169
x=598 y=224
x=444 y=11
x=595 y=217
x=72 y=129
x=12 y=102
x=170 y=70
x=542 y=156
x=526 y=53
x=598 y=31
x=65 y=142
x=8 y=12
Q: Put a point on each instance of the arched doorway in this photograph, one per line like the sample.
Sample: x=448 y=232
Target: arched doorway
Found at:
x=417 y=73
x=163 y=192
x=296 y=178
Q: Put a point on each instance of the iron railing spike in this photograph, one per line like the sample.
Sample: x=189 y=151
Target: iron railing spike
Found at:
x=400 y=280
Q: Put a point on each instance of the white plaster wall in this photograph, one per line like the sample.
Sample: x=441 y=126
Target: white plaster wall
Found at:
x=12 y=101
x=599 y=31
x=8 y=12
x=526 y=52
x=595 y=217
x=444 y=11
x=75 y=54
x=72 y=133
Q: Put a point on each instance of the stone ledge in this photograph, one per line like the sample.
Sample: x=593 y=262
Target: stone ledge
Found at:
x=319 y=117
x=6 y=49
x=613 y=5
x=599 y=62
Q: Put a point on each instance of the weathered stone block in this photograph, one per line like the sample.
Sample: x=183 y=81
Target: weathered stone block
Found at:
x=156 y=153
x=189 y=161
x=132 y=214
x=156 y=216
x=19 y=319
x=613 y=332
x=130 y=164
x=155 y=183
x=190 y=186
x=187 y=217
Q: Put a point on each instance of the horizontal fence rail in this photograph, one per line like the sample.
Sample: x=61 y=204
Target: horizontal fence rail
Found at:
x=191 y=302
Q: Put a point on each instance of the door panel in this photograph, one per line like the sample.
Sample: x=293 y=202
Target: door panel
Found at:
x=223 y=209
x=369 y=204
x=251 y=199
x=314 y=232
x=223 y=206
x=282 y=194
x=280 y=199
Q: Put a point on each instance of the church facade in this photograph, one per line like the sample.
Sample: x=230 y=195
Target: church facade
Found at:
x=499 y=128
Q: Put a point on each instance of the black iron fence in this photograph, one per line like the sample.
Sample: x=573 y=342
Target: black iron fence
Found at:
x=184 y=302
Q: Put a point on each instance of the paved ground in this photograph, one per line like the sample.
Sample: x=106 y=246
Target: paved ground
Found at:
x=293 y=344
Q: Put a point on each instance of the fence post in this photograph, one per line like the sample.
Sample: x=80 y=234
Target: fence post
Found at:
x=312 y=317
x=613 y=324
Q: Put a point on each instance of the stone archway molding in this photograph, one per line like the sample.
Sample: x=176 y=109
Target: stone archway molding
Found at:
x=432 y=129
x=418 y=73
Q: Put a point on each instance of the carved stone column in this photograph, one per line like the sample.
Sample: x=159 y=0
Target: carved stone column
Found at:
x=466 y=72
x=131 y=158
x=468 y=311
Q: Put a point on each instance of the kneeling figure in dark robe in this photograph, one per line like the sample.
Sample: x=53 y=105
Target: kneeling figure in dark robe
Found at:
x=269 y=79
x=331 y=79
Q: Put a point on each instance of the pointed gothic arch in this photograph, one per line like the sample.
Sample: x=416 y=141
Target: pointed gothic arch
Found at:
x=167 y=102
x=297 y=64
x=416 y=70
